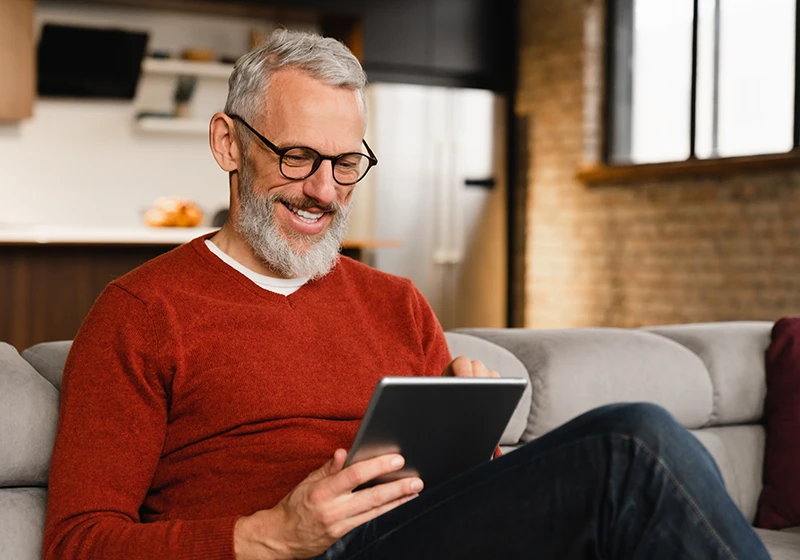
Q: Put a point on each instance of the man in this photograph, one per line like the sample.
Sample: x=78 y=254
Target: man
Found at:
x=205 y=386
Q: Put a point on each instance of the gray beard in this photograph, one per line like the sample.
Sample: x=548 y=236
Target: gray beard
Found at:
x=258 y=226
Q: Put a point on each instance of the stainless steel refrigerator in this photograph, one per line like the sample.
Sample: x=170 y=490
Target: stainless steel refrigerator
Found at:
x=440 y=189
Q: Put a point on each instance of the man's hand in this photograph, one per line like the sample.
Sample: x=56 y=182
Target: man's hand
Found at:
x=463 y=367
x=322 y=509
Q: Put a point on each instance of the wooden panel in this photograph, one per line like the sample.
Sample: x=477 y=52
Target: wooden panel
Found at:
x=17 y=67
x=47 y=290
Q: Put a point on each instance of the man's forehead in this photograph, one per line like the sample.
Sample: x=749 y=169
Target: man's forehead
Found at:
x=292 y=89
x=302 y=109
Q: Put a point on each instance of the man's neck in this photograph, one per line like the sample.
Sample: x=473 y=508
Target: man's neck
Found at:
x=232 y=244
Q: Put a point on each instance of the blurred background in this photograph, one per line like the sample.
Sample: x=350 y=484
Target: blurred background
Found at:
x=542 y=164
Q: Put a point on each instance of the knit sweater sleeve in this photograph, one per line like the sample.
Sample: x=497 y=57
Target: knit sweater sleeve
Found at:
x=436 y=354
x=111 y=432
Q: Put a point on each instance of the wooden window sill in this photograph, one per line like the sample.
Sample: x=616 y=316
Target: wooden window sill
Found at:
x=599 y=174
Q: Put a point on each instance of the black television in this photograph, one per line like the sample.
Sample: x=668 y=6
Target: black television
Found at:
x=89 y=62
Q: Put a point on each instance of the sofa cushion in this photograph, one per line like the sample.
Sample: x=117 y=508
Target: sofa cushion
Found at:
x=28 y=418
x=738 y=451
x=575 y=370
x=49 y=358
x=733 y=353
x=781 y=545
x=22 y=523
x=780 y=500
x=507 y=365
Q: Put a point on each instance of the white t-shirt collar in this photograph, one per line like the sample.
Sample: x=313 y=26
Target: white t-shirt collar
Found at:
x=283 y=286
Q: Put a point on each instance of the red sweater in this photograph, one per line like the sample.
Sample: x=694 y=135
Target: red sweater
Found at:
x=191 y=397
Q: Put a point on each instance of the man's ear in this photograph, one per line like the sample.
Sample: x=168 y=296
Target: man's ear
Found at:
x=224 y=143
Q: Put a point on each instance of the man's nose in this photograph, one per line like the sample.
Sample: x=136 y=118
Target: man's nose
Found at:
x=321 y=186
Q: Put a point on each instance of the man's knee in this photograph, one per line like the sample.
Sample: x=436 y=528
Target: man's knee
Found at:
x=647 y=423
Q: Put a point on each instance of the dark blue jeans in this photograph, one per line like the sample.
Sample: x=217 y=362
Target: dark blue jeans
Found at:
x=622 y=481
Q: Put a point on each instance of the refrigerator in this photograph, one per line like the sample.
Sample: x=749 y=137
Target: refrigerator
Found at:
x=439 y=190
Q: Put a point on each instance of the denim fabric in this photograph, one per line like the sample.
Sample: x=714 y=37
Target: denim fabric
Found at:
x=622 y=481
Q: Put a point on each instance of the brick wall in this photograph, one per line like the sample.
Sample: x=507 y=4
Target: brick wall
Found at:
x=688 y=250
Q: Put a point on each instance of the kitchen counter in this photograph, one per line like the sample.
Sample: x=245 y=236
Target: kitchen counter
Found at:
x=98 y=235
x=131 y=235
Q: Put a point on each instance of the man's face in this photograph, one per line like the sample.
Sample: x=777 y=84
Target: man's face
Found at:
x=294 y=226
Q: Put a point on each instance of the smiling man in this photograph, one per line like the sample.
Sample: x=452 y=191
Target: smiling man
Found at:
x=291 y=221
x=210 y=395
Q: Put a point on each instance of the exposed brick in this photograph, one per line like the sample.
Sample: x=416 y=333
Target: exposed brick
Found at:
x=710 y=249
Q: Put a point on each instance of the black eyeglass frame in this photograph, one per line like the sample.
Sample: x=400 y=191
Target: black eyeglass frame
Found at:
x=373 y=161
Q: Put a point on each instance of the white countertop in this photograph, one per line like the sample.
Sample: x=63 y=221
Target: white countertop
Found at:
x=98 y=235
x=13 y=234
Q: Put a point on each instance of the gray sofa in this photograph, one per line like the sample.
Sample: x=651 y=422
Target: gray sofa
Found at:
x=710 y=376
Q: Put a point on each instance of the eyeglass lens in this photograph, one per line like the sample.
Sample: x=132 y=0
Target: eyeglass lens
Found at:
x=299 y=163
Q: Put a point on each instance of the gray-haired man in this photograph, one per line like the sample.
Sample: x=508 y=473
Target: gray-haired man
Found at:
x=210 y=393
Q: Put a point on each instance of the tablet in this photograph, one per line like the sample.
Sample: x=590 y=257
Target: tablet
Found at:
x=442 y=426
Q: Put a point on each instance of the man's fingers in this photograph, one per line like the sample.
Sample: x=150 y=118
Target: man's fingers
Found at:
x=337 y=463
x=371 y=502
x=331 y=467
x=362 y=472
x=478 y=369
x=352 y=522
x=460 y=367
x=464 y=367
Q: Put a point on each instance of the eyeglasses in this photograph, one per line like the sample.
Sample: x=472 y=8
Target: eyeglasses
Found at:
x=300 y=162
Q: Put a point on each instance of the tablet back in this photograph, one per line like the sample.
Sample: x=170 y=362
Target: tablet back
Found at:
x=441 y=425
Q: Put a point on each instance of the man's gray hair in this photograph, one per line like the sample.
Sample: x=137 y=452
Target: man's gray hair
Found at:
x=322 y=58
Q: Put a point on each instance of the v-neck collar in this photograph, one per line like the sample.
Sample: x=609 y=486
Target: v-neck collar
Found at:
x=300 y=296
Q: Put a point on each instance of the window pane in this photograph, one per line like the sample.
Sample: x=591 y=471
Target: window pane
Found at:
x=661 y=80
x=756 y=76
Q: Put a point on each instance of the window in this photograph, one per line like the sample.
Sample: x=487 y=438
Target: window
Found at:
x=700 y=79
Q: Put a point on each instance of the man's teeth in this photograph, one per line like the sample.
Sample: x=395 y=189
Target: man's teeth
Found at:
x=305 y=216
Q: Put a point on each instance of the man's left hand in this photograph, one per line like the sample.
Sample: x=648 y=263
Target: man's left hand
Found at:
x=464 y=367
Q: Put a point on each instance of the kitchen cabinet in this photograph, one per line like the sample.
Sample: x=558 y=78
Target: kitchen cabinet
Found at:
x=458 y=43
x=17 y=64
x=461 y=43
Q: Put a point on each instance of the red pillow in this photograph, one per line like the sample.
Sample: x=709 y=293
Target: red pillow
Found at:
x=779 y=505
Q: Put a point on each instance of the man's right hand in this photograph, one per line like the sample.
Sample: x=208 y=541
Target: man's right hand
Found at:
x=322 y=509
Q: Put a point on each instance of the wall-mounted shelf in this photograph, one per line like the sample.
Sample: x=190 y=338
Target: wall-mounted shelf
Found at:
x=174 y=126
x=173 y=66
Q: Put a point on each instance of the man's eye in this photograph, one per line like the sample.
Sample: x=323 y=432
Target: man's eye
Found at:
x=297 y=160
x=350 y=162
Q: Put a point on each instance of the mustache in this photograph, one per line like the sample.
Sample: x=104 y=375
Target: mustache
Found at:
x=303 y=202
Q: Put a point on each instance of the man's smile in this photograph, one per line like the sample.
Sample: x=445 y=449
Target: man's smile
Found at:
x=305 y=215
x=306 y=221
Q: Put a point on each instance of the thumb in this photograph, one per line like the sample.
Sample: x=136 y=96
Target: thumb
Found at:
x=333 y=466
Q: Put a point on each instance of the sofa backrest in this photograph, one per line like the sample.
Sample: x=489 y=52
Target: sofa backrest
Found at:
x=709 y=376
x=28 y=417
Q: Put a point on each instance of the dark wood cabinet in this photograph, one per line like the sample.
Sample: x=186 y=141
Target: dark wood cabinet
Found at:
x=46 y=290
x=440 y=42
x=461 y=43
x=461 y=36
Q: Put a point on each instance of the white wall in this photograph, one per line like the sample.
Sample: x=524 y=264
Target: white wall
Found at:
x=81 y=162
